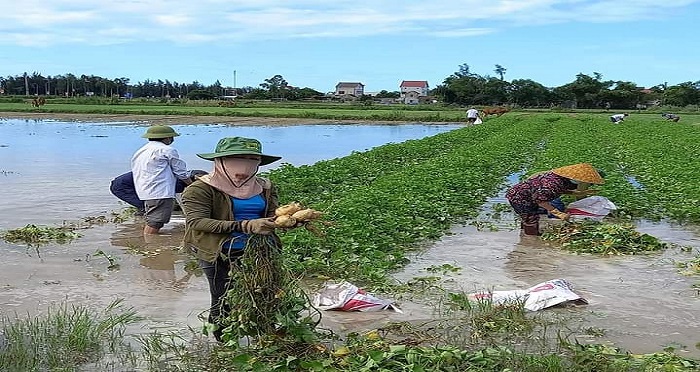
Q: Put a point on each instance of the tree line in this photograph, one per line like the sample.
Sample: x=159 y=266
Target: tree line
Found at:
x=70 y=85
x=463 y=88
x=586 y=91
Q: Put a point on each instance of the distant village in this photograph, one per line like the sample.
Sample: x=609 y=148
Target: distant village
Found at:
x=411 y=92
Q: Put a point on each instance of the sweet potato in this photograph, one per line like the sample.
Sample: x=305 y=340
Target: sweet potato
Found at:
x=288 y=209
x=285 y=221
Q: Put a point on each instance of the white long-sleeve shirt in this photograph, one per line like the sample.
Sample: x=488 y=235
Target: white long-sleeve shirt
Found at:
x=156 y=167
x=618 y=117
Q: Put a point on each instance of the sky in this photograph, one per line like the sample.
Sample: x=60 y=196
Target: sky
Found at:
x=379 y=43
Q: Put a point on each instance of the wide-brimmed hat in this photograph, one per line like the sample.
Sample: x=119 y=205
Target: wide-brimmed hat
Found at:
x=160 y=131
x=582 y=172
x=230 y=146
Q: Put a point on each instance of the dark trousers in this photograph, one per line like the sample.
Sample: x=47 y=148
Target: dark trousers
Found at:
x=217 y=273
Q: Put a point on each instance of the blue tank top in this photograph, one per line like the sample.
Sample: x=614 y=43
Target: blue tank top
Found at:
x=244 y=209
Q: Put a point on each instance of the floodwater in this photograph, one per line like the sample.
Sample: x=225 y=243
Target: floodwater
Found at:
x=55 y=171
x=52 y=171
x=642 y=302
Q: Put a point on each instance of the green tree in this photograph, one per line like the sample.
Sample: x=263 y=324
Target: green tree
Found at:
x=500 y=70
x=200 y=94
x=276 y=86
x=585 y=91
x=257 y=93
x=463 y=87
x=683 y=94
x=387 y=94
x=495 y=91
x=529 y=93
x=625 y=95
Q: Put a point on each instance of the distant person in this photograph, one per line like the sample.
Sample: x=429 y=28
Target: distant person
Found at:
x=618 y=118
x=156 y=168
x=672 y=117
x=473 y=116
x=123 y=188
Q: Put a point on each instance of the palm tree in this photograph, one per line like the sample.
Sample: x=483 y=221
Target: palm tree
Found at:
x=500 y=70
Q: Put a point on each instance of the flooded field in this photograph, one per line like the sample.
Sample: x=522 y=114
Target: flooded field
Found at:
x=52 y=171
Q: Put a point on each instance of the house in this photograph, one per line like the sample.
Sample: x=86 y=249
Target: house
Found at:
x=413 y=91
x=348 y=90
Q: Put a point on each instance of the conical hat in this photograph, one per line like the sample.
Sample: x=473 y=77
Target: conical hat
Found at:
x=583 y=172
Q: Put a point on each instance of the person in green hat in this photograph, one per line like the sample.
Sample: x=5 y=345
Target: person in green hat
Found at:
x=223 y=208
x=156 y=168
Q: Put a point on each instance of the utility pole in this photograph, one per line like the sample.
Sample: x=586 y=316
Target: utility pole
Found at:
x=26 y=85
x=235 y=92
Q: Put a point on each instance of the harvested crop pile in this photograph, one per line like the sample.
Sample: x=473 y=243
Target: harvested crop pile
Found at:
x=602 y=238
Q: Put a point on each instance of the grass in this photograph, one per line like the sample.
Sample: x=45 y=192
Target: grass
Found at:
x=472 y=337
x=65 y=338
x=394 y=113
x=35 y=236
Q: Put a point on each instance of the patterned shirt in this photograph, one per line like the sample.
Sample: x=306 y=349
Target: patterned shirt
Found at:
x=536 y=189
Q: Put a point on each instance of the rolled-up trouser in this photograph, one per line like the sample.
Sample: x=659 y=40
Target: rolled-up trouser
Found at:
x=529 y=217
x=530 y=224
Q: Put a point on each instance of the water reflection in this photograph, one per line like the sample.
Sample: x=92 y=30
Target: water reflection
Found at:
x=159 y=254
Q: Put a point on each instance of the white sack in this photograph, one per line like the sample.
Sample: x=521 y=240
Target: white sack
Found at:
x=345 y=296
x=541 y=296
x=593 y=207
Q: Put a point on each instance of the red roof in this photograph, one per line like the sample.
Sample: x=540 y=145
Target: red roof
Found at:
x=414 y=84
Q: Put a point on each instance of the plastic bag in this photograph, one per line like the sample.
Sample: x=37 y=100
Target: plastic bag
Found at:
x=345 y=296
x=592 y=207
x=538 y=297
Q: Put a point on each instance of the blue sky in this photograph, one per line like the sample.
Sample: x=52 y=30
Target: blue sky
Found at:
x=316 y=44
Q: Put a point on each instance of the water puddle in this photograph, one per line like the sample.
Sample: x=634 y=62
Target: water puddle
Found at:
x=496 y=212
x=633 y=181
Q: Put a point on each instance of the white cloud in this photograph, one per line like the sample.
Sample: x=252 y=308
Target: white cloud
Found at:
x=172 y=19
x=462 y=32
x=42 y=22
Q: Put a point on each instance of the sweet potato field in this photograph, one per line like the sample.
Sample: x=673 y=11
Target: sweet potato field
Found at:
x=393 y=199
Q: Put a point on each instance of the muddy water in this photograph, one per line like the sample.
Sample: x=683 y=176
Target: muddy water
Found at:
x=54 y=171
x=641 y=302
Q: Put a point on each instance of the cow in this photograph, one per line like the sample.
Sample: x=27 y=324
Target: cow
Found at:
x=498 y=111
x=36 y=102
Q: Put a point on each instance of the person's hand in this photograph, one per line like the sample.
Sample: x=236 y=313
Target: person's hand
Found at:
x=263 y=226
x=560 y=215
x=196 y=173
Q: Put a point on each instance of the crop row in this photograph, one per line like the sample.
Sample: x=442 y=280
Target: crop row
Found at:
x=392 y=199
